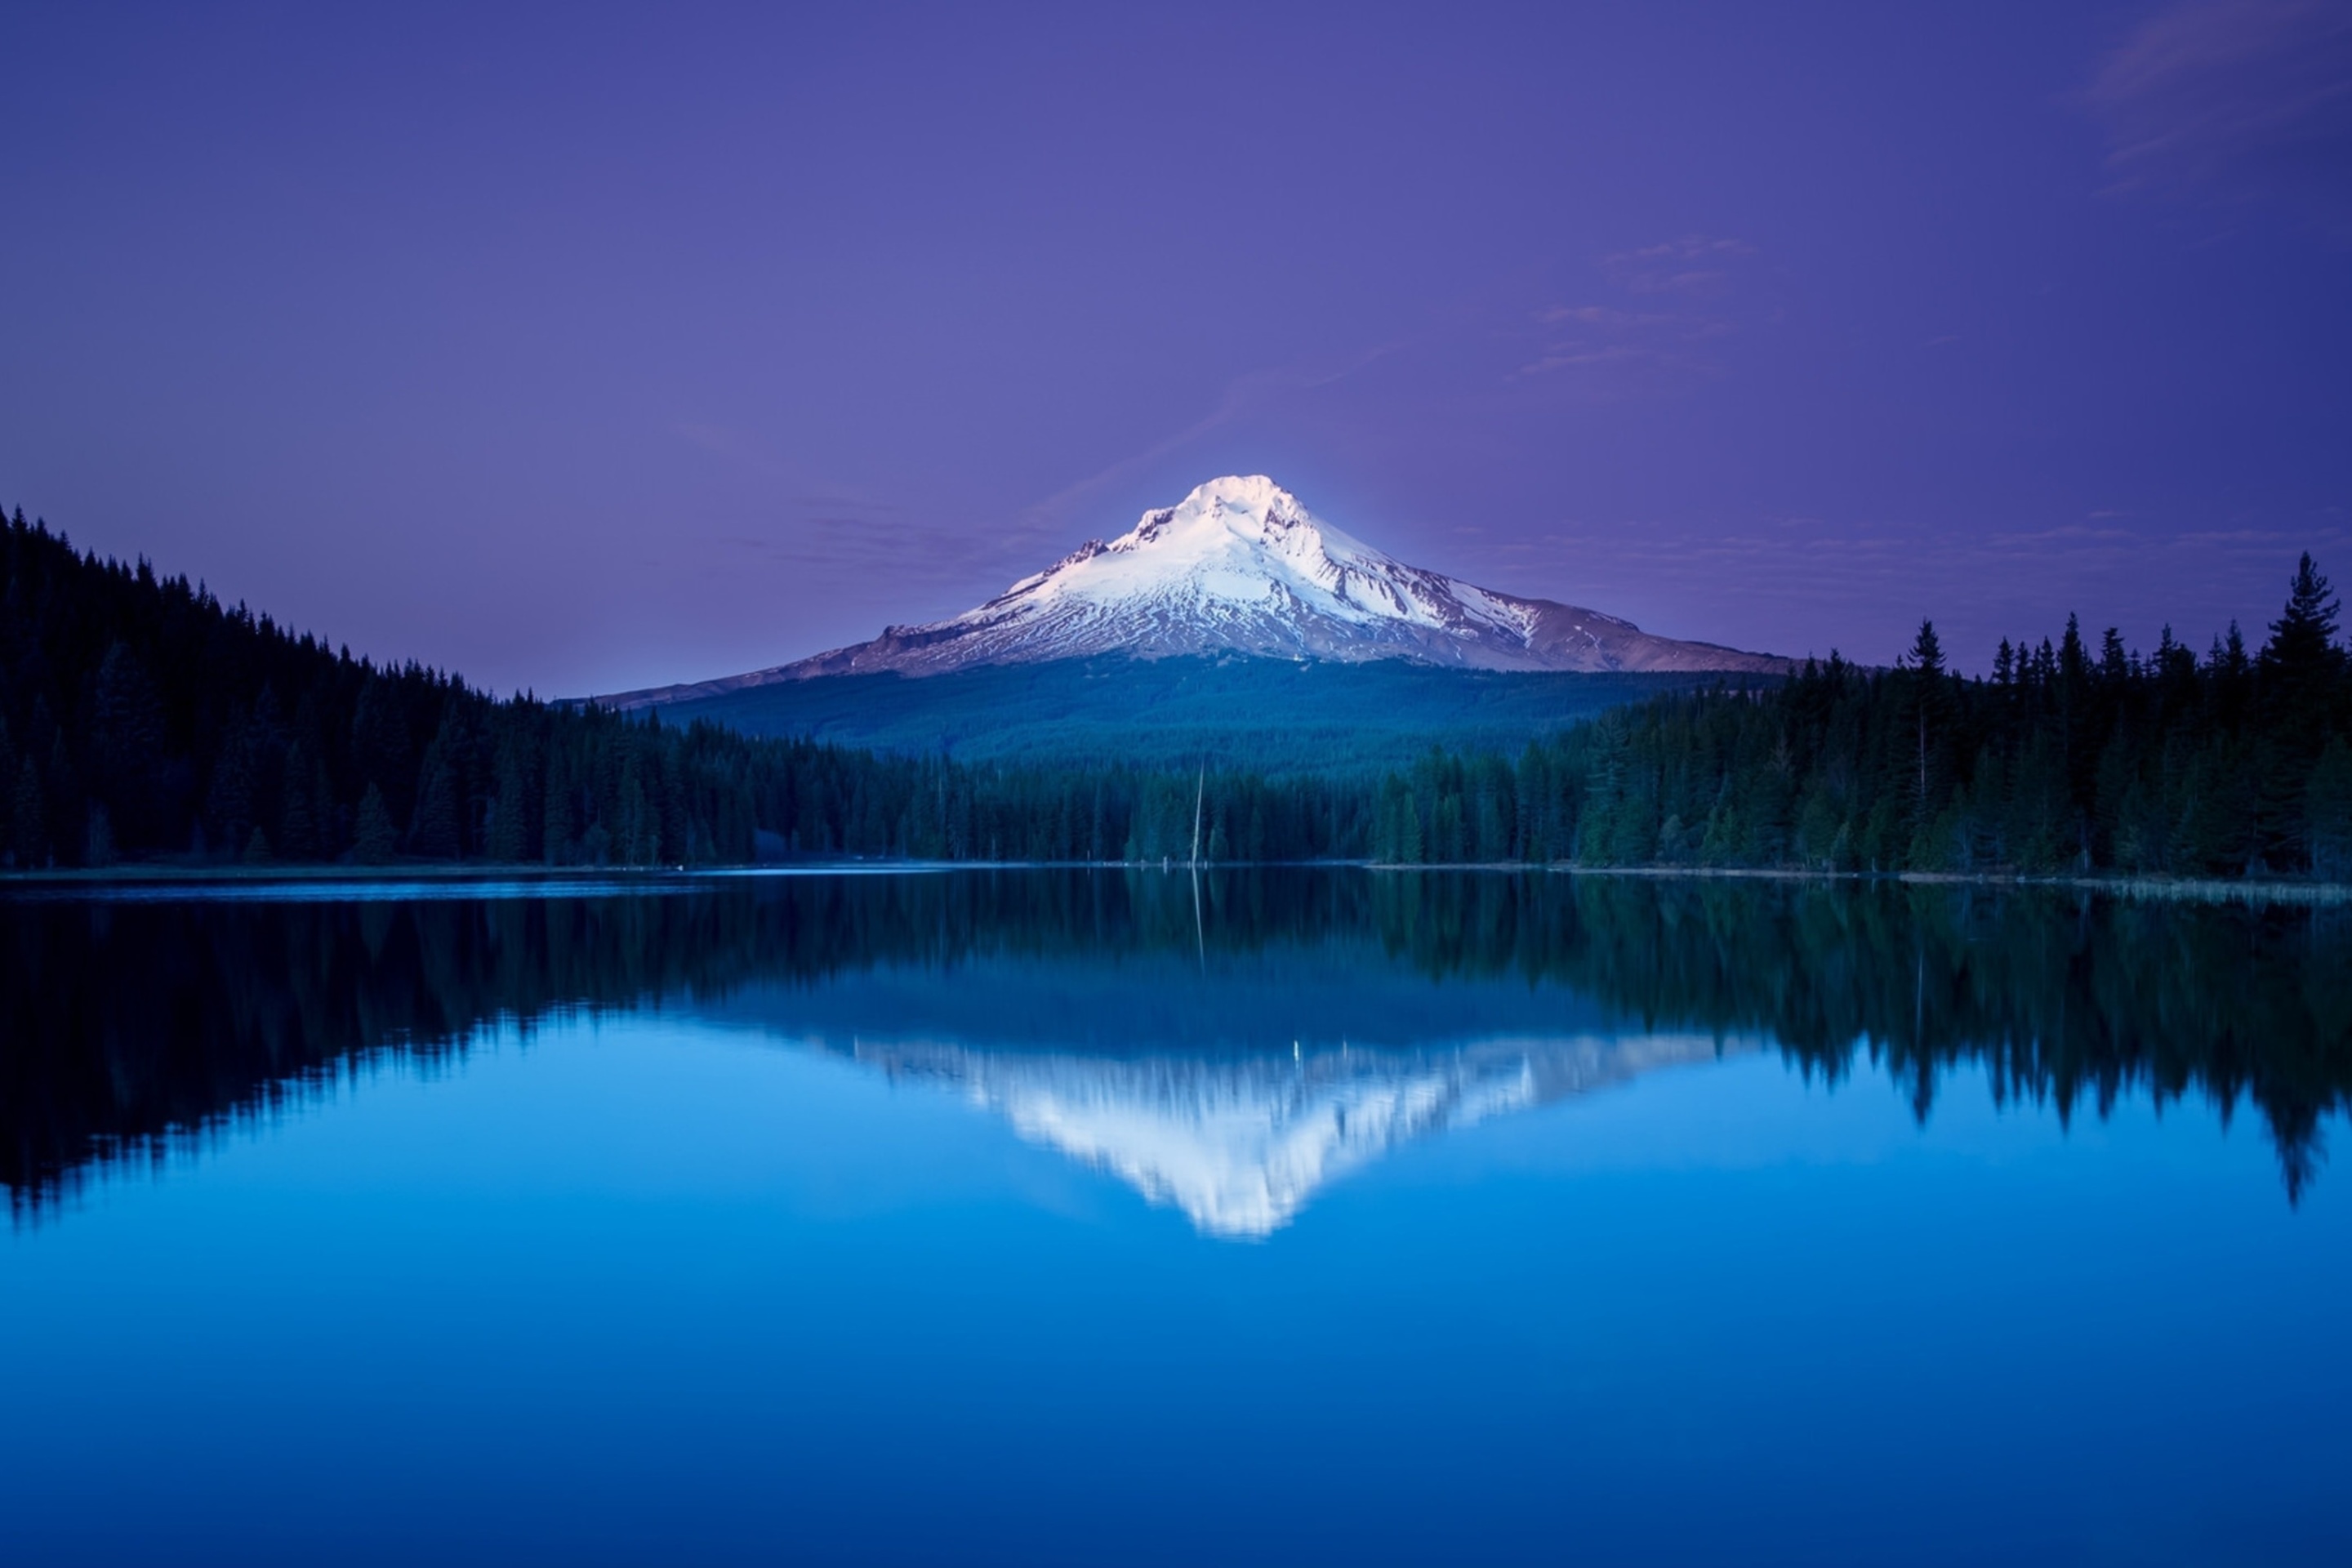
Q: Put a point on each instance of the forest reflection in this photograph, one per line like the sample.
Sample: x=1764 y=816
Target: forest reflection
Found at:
x=127 y=1027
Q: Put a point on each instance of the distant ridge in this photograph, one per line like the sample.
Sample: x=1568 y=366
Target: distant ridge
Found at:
x=1240 y=567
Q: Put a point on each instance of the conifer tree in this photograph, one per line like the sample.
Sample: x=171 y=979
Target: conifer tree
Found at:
x=559 y=820
x=98 y=838
x=509 y=841
x=380 y=746
x=300 y=835
x=28 y=818
x=7 y=795
x=1926 y=662
x=1926 y=655
x=2328 y=807
x=2302 y=649
x=229 y=805
x=434 y=835
x=374 y=840
x=126 y=743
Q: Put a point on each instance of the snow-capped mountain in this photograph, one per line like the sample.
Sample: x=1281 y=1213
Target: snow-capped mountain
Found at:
x=1240 y=566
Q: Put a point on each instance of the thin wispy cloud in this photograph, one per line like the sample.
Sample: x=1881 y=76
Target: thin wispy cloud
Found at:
x=2234 y=100
x=830 y=530
x=1872 y=581
x=1673 y=298
x=1695 y=264
x=1602 y=316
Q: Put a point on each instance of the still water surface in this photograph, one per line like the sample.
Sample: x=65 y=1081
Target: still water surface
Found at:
x=1014 y=1218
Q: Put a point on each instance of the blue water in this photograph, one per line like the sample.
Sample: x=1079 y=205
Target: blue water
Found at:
x=714 y=1277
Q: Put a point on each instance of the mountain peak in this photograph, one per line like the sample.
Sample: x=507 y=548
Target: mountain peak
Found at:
x=1247 y=507
x=1245 y=491
x=1240 y=565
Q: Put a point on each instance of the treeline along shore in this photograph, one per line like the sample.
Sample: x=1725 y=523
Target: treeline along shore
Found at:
x=2055 y=995
x=2068 y=759
x=144 y=721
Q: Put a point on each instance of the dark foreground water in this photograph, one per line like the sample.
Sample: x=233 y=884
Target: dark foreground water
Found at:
x=1073 y=1217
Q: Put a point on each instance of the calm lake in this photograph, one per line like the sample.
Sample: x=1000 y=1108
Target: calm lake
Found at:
x=1109 y=1216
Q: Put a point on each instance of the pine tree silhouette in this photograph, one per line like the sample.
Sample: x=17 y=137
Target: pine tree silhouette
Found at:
x=2302 y=639
x=374 y=840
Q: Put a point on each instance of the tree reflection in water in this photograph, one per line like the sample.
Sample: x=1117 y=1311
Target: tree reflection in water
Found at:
x=128 y=1027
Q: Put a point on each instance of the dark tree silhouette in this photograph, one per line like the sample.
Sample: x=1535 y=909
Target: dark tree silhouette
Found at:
x=141 y=718
x=2061 y=761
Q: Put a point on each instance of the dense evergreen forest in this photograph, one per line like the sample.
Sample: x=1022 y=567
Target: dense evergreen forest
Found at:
x=141 y=719
x=2067 y=759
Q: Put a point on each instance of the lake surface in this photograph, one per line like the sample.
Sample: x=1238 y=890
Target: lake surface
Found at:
x=1100 y=1216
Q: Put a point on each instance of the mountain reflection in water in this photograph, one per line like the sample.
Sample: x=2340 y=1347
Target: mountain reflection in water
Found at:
x=1240 y=1144
x=1230 y=1059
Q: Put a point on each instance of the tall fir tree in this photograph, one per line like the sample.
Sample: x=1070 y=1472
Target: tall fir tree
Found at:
x=374 y=840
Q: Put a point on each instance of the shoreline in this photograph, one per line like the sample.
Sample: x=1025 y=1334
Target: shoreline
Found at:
x=2200 y=889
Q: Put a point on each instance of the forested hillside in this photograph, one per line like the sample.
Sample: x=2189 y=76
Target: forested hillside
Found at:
x=2067 y=759
x=140 y=719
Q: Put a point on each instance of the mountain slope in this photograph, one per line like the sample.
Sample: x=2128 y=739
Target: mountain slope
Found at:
x=1240 y=566
x=1275 y=716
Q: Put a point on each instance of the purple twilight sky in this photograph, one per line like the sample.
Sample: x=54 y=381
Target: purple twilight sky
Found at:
x=586 y=349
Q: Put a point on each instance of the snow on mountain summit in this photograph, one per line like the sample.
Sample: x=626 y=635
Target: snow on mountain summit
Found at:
x=1241 y=566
